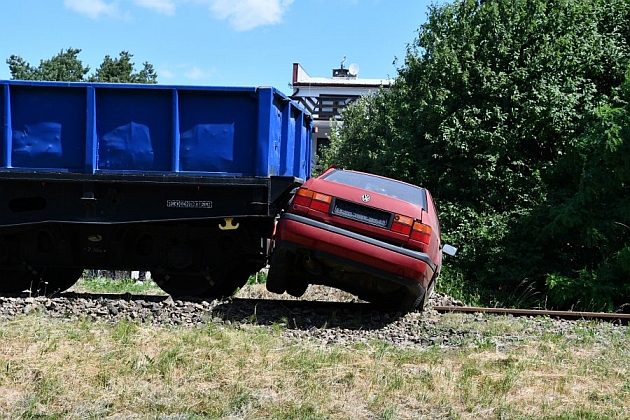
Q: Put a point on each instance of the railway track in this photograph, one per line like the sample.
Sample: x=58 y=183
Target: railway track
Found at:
x=569 y=315
x=249 y=306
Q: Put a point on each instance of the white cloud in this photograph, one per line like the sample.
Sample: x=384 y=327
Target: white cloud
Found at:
x=185 y=73
x=165 y=7
x=195 y=73
x=93 y=8
x=165 y=73
x=244 y=15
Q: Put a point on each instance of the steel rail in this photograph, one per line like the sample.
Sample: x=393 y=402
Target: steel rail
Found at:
x=571 y=315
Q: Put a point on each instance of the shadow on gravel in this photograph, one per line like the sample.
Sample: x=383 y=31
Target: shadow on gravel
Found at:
x=304 y=315
x=291 y=314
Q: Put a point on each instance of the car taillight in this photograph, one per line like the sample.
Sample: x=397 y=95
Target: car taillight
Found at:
x=321 y=202
x=303 y=197
x=414 y=229
x=402 y=224
x=421 y=233
x=314 y=200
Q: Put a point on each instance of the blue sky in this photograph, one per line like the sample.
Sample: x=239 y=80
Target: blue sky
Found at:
x=217 y=42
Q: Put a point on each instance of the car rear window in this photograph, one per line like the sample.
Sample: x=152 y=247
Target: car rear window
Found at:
x=389 y=187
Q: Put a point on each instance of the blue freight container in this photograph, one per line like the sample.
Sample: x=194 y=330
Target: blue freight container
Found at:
x=116 y=128
x=183 y=181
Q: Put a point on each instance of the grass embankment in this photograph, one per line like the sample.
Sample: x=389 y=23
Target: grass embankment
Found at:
x=93 y=369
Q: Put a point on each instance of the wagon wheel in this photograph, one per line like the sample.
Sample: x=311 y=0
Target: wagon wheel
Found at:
x=55 y=280
x=15 y=280
x=219 y=284
x=46 y=281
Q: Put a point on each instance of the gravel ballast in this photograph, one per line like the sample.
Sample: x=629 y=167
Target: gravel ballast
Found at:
x=324 y=315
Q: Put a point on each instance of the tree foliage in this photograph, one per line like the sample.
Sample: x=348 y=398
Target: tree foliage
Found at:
x=121 y=70
x=66 y=66
x=489 y=110
x=588 y=223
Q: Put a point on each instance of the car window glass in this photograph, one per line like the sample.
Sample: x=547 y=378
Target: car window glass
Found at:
x=437 y=218
x=389 y=187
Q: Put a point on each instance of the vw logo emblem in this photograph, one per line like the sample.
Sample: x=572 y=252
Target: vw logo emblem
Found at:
x=365 y=198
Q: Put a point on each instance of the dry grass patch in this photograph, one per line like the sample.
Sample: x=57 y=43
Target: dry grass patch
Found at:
x=82 y=369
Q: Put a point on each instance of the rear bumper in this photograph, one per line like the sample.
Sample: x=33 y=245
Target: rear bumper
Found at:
x=384 y=261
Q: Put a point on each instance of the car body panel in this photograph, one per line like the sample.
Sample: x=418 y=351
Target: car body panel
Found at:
x=351 y=245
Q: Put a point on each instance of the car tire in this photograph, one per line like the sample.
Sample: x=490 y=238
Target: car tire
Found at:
x=278 y=272
x=412 y=303
x=402 y=300
x=296 y=287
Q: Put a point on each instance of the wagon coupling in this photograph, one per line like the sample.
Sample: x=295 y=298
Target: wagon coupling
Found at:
x=229 y=224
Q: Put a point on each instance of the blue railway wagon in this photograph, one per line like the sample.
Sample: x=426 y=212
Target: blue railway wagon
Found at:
x=183 y=181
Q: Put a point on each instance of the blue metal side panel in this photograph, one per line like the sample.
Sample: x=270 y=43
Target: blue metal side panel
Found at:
x=307 y=130
x=288 y=140
x=134 y=129
x=175 y=147
x=92 y=127
x=299 y=151
x=218 y=131
x=296 y=132
x=91 y=136
x=275 y=134
x=6 y=134
x=47 y=131
x=265 y=97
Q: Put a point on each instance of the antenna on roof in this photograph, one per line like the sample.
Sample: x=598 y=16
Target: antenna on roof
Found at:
x=343 y=72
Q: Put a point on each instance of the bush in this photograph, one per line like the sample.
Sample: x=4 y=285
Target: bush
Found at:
x=493 y=110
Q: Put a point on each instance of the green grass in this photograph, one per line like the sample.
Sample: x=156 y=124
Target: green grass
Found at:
x=108 y=285
x=104 y=284
x=78 y=369
x=453 y=284
x=258 y=278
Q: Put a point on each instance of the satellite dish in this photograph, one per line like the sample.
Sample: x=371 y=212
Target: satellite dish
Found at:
x=353 y=70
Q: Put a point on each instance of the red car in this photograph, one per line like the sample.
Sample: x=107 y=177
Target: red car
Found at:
x=372 y=236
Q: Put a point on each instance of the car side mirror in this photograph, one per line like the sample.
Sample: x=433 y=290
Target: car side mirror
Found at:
x=449 y=250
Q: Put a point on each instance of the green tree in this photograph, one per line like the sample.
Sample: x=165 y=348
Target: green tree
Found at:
x=492 y=97
x=66 y=66
x=121 y=70
x=587 y=225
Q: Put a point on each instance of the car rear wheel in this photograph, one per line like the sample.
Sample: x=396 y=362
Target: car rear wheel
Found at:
x=282 y=276
x=402 y=300
x=279 y=267
x=412 y=302
x=296 y=287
